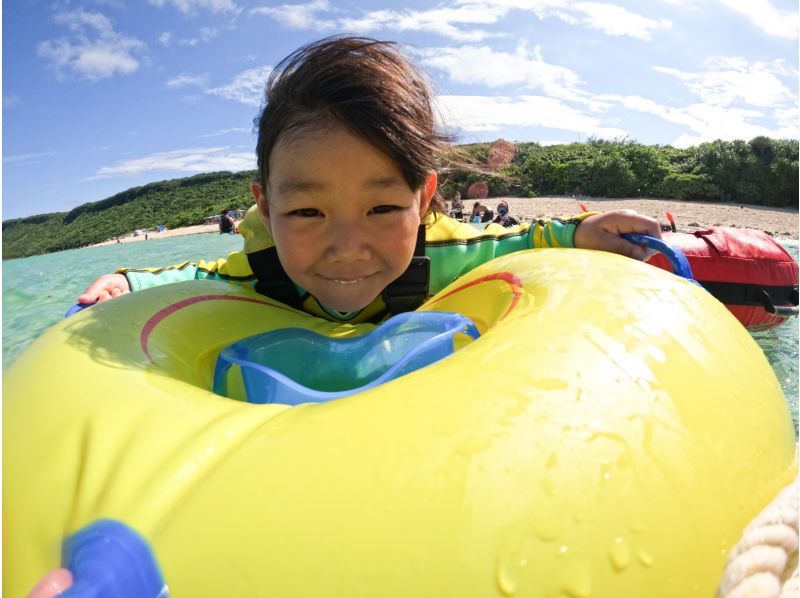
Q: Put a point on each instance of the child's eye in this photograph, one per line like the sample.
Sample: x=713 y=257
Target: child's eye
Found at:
x=384 y=209
x=306 y=212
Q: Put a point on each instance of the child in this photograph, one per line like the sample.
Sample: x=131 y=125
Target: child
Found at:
x=348 y=223
x=476 y=214
x=503 y=217
x=481 y=213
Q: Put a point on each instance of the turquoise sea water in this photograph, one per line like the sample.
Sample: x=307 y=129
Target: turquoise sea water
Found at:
x=38 y=290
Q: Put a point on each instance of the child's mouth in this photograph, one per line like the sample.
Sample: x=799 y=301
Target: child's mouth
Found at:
x=347 y=281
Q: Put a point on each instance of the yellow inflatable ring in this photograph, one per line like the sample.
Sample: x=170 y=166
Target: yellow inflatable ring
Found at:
x=610 y=434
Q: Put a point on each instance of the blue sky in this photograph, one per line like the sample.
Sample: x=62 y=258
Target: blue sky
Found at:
x=100 y=96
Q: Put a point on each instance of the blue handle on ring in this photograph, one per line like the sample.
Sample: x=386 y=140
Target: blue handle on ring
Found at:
x=108 y=559
x=77 y=307
x=676 y=257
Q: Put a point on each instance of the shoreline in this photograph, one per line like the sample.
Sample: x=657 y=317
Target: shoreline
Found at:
x=175 y=232
x=689 y=215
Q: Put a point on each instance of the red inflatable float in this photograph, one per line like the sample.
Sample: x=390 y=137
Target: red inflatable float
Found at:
x=745 y=269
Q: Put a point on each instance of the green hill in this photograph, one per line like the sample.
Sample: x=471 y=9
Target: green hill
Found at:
x=173 y=203
x=762 y=171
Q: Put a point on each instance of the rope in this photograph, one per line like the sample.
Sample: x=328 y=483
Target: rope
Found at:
x=764 y=562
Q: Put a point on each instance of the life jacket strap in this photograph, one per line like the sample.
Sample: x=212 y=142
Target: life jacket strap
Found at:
x=409 y=290
x=272 y=278
x=406 y=293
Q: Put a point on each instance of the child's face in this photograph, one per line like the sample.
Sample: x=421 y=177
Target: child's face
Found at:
x=343 y=218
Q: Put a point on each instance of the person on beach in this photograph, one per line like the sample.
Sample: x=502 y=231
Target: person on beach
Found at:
x=348 y=223
x=503 y=217
x=480 y=213
x=476 y=214
x=457 y=207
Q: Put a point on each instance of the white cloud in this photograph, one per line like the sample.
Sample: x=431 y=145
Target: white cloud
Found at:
x=761 y=14
x=771 y=20
x=186 y=80
x=442 y=21
x=205 y=35
x=737 y=95
x=490 y=113
x=247 y=87
x=94 y=51
x=740 y=100
x=788 y=121
x=617 y=21
x=730 y=80
x=188 y=7
x=484 y=66
x=224 y=132
x=706 y=122
x=299 y=16
x=713 y=122
x=27 y=158
x=458 y=19
x=199 y=159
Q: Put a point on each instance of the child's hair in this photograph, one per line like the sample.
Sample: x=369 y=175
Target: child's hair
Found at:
x=366 y=85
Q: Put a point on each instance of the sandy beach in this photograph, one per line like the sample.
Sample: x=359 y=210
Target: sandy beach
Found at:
x=689 y=215
x=177 y=232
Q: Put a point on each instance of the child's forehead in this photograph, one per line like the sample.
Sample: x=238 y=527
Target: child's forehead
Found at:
x=309 y=183
x=331 y=144
x=322 y=131
x=305 y=125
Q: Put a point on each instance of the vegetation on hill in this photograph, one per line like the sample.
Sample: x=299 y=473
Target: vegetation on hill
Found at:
x=762 y=171
x=173 y=203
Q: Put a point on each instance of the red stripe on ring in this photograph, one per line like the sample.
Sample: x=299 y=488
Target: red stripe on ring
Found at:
x=508 y=277
x=171 y=309
x=511 y=279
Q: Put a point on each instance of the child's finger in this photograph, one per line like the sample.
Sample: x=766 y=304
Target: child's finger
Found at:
x=52 y=584
x=647 y=226
x=93 y=291
x=106 y=287
x=88 y=296
x=616 y=244
x=628 y=221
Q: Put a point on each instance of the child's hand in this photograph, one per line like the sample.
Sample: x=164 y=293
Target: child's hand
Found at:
x=52 y=584
x=603 y=231
x=106 y=287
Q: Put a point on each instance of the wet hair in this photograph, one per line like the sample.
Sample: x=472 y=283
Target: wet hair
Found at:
x=365 y=85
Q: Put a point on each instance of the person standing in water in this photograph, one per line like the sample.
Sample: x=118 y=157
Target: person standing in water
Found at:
x=226 y=224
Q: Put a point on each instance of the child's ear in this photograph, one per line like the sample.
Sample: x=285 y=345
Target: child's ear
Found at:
x=261 y=200
x=428 y=191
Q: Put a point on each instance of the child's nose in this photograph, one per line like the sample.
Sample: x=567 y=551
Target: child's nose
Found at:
x=348 y=242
